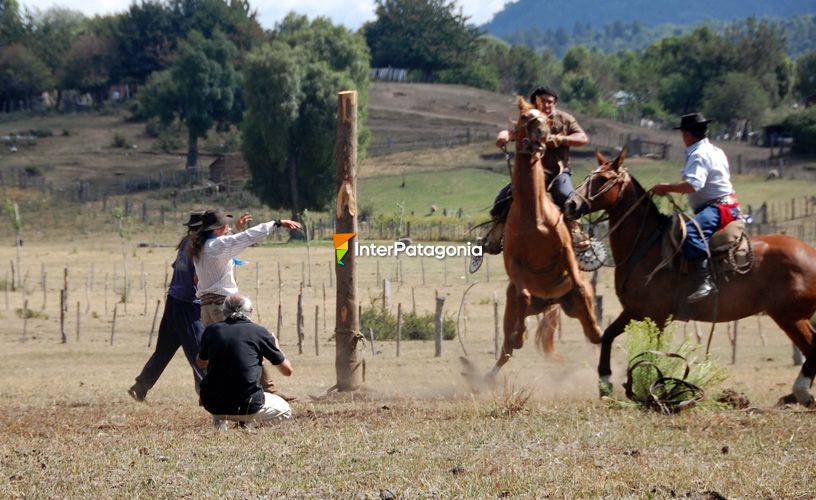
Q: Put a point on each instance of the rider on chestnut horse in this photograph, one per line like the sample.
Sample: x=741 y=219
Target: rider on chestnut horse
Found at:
x=565 y=132
x=706 y=180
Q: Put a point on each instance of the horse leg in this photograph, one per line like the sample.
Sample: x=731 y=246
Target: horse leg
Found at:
x=512 y=338
x=802 y=334
x=609 y=335
x=582 y=296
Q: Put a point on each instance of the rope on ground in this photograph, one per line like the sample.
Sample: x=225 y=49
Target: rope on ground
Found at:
x=666 y=394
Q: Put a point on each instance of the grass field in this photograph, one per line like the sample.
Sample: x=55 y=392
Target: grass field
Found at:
x=69 y=428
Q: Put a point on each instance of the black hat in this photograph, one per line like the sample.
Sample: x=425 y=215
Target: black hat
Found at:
x=542 y=91
x=195 y=218
x=693 y=121
x=213 y=219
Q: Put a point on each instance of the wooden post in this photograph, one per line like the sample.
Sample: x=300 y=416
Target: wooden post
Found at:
x=77 y=337
x=25 y=321
x=280 y=284
x=331 y=274
x=317 y=332
x=440 y=303
x=325 y=327
x=13 y=276
x=280 y=321
x=495 y=326
x=153 y=325
x=386 y=296
x=371 y=338
x=63 y=310
x=413 y=300
x=399 y=327
x=258 y=291
x=378 y=270
x=300 y=323
x=308 y=256
x=347 y=323
x=422 y=267
x=733 y=338
x=113 y=323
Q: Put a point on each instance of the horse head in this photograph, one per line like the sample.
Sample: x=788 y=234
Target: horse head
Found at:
x=601 y=189
x=531 y=130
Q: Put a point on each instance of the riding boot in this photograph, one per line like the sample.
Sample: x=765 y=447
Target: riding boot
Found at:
x=704 y=283
x=495 y=236
x=580 y=241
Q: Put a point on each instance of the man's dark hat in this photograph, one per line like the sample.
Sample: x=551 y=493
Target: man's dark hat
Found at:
x=213 y=219
x=195 y=218
x=692 y=121
x=542 y=91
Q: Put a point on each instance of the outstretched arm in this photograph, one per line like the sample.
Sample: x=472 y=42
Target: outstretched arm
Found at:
x=665 y=188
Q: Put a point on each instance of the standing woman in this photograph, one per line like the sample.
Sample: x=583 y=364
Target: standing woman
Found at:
x=181 y=322
x=213 y=250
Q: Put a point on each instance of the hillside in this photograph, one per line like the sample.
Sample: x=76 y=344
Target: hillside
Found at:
x=565 y=14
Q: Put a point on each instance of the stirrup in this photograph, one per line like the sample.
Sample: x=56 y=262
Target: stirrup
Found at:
x=476 y=260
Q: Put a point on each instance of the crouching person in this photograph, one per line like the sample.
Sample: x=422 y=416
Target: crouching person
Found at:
x=231 y=352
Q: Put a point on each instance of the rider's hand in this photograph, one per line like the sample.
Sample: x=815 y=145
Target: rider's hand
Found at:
x=554 y=140
x=243 y=221
x=661 y=189
x=290 y=224
x=503 y=138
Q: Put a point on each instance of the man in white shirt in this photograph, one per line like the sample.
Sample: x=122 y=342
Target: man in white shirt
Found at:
x=706 y=179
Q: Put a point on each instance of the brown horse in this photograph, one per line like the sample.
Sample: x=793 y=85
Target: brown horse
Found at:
x=538 y=254
x=781 y=283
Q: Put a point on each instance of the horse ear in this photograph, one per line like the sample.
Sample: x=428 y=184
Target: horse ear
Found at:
x=600 y=156
x=618 y=163
x=523 y=105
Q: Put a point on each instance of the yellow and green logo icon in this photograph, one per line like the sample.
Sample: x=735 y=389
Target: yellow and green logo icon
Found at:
x=341 y=246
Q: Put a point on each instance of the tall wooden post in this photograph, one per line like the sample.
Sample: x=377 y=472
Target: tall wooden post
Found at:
x=347 y=362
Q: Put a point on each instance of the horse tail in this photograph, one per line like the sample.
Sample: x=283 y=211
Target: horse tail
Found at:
x=547 y=326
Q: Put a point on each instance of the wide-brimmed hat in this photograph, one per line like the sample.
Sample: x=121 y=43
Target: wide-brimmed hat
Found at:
x=213 y=219
x=194 y=219
x=692 y=121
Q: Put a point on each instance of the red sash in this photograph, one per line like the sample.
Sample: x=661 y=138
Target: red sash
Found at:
x=727 y=213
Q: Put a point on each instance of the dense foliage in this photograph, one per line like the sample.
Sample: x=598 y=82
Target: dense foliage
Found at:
x=289 y=129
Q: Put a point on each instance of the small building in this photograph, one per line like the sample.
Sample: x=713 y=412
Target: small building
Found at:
x=230 y=171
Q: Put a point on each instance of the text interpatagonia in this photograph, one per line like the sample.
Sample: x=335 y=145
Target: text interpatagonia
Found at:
x=419 y=250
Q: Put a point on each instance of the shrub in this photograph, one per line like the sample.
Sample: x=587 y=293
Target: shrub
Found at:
x=30 y=313
x=41 y=132
x=414 y=326
x=644 y=336
x=119 y=141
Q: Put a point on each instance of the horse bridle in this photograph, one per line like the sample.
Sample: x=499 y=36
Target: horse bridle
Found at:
x=619 y=178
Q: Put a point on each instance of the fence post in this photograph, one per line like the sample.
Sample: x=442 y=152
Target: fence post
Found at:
x=113 y=324
x=153 y=325
x=317 y=332
x=63 y=310
x=440 y=303
x=300 y=323
x=399 y=327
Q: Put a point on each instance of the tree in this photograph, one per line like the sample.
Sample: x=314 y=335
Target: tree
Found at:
x=51 y=34
x=12 y=29
x=806 y=75
x=291 y=87
x=198 y=89
x=427 y=35
x=735 y=96
x=144 y=42
x=87 y=65
x=22 y=75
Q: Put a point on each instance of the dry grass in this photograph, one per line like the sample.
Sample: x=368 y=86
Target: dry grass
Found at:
x=68 y=428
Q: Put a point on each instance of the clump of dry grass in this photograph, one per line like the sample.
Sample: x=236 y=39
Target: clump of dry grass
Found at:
x=510 y=401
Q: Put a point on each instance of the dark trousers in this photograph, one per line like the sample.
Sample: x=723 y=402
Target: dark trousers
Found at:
x=180 y=327
x=560 y=189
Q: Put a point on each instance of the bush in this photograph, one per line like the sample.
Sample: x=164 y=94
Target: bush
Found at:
x=119 y=141
x=41 y=132
x=803 y=130
x=414 y=326
x=30 y=313
x=644 y=336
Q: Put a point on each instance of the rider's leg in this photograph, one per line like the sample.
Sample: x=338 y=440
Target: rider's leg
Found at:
x=501 y=206
x=695 y=250
x=561 y=191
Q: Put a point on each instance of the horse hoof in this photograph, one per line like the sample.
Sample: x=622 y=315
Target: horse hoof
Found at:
x=788 y=400
x=605 y=388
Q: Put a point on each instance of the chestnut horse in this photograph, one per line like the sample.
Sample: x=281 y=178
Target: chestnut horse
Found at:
x=781 y=283
x=538 y=254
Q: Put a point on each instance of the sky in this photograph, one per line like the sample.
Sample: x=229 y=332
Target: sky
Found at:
x=351 y=13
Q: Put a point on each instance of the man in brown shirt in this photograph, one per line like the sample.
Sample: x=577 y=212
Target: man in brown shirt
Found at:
x=566 y=132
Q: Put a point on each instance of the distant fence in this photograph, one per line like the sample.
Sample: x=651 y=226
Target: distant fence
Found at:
x=393 y=144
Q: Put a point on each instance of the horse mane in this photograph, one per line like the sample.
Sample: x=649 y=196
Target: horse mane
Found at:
x=650 y=205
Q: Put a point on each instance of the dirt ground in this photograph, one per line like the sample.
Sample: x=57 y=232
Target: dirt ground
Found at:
x=70 y=429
